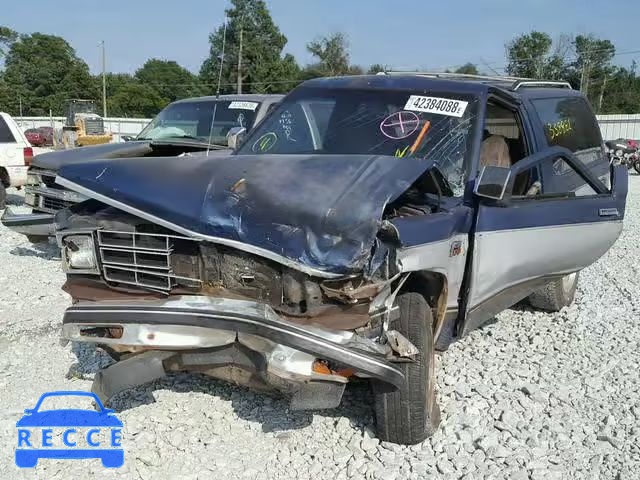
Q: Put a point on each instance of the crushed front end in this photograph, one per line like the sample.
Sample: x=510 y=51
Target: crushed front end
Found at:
x=159 y=302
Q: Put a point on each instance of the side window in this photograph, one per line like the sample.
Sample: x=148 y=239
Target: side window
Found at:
x=503 y=144
x=5 y=132
x=503 y=122
x=568 y=122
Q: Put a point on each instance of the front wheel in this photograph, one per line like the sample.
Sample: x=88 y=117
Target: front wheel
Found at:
x=37 y=238
x=3 y=196
x=636 y=166
x=556 y=294
x=410 y=414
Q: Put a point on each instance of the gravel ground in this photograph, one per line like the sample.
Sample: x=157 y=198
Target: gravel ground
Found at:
x=533 y=395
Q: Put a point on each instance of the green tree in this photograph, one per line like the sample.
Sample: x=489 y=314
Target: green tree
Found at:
x=622 y=92
x=169 y=79
x=377 y=68
x=7 y=37
x=468 y=69
x=135 y=100
x=332 y=57
x=253 y=59
x=43 y=72
x=531 y=56
x=592 y=68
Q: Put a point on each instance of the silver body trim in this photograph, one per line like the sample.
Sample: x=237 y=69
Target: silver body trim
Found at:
x=436 y=257
x=39 y=224
x=506 y=258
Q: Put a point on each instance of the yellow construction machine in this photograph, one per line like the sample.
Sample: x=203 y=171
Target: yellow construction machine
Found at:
x=84 y=126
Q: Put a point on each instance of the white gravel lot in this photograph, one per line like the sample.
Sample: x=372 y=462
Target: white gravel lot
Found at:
x=531 y=396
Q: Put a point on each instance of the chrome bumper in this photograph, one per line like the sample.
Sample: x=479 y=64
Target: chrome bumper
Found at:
x=40 y=224
x=215 y=329
x=50 y=200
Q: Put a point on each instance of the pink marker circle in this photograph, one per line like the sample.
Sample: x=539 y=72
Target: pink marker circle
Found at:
x=399 y=125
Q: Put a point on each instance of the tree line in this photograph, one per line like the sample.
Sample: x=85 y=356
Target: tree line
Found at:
x=41 y=72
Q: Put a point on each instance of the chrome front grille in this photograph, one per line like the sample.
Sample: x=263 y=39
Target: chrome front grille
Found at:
x=52 y=205
x=141 y=259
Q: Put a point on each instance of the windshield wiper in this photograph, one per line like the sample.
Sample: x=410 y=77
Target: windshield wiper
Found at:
x=190 y=137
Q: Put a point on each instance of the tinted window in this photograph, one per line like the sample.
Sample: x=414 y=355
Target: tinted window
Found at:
x=5 y=133
x=372 y=122
x=196 y=120
x=568 y=122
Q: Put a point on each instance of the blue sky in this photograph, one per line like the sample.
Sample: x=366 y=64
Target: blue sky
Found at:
x=400 y=33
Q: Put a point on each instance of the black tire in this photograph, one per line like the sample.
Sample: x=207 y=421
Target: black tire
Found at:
x=636 y=166
x=557 y=294
x=37 y=238
x=3 y=196
x=409 y=415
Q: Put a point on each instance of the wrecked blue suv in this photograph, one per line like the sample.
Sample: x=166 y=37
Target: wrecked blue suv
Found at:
x=367 y=222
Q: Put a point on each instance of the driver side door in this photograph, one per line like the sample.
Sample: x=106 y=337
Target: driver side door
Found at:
x=521 y=243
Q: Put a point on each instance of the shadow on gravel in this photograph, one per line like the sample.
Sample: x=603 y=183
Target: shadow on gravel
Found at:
x=269 y=410
x=44 y=250
x=90 y=360
x=13 y=199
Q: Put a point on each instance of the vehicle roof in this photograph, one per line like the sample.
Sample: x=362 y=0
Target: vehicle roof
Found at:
x=475 y=84
x=251 y=97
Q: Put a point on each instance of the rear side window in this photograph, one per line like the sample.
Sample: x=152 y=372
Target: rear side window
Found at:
x=568 y=122
x=5 y=132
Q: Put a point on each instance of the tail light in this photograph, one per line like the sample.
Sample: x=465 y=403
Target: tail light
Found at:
x=28 y=155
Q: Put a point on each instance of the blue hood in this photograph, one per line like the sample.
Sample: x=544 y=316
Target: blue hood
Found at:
x=318 y=211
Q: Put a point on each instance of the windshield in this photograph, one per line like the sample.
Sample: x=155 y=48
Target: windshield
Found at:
x=192 y=120
x=436 y=126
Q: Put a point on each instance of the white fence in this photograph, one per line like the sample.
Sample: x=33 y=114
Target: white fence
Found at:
x=612 y=126
x=117 y=126
x=619 y=126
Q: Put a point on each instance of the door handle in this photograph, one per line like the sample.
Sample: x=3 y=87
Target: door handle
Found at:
x=608 y=212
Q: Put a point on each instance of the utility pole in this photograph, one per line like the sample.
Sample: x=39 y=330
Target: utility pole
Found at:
x=20 y=101
x=239 y=89
x=104 y=82
x=604 y=85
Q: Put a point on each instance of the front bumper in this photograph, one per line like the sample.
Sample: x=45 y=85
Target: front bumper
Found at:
x=222 y=335
x=40 y=224
x=50 y=200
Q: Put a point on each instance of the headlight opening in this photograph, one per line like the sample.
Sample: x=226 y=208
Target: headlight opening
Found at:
x=79 y=253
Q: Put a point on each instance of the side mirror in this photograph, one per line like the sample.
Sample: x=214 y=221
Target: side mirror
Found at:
x=127 y=138
x=235 y=137
x=492 y=182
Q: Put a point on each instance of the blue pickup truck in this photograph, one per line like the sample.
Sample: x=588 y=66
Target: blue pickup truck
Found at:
x=366 y=223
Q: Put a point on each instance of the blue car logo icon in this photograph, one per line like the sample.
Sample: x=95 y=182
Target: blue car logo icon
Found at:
x=82 y=433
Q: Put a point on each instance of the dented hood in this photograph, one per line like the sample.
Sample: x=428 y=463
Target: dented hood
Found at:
x=55 y=160
x=320 y=213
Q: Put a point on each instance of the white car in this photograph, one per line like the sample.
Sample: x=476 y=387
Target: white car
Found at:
x=15 y=156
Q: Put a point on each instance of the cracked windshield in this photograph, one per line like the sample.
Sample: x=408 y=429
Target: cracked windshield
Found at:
x=196 y=121
x=340 y=121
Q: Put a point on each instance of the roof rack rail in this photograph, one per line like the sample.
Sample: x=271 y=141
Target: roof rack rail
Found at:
x=455 y=75
x=516 y=82
x=540 y=83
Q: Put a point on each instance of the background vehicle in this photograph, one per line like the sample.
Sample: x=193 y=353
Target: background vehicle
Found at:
x=624 y=152
x=16 y=154
x=48 y=134
x=83 y=125
x=183 y=127
x=35 y=137
x=361 y=226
